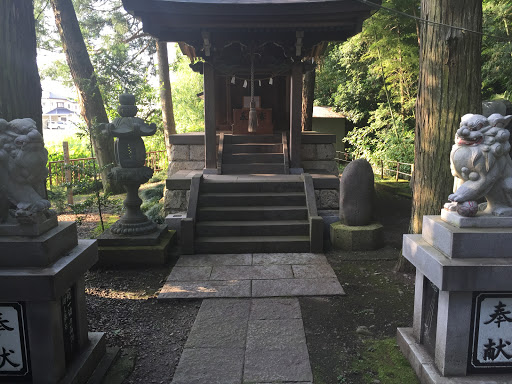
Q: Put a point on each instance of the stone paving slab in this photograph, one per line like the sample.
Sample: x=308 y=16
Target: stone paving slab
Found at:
x=314 y=271
x=275 y=335
x=211 y=260
x=190 y=273
x=290 y=364
x=210 y=366
x=288 y=258
x=275 y=309
x=251 y=272
x=220 y=323
x=296 y=287
x=205 y=289
x=269 y=331
x=251 y=275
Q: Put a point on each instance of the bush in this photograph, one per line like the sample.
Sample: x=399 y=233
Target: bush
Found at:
x=156 y=192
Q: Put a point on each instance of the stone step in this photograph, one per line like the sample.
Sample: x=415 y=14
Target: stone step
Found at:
x=251 y=199
x=252 y=213
x=252 y=244
x=253 y=228
x=250 y=158
x=253 y=185
x=244 y=139
x=257 y=168
x=254 y=148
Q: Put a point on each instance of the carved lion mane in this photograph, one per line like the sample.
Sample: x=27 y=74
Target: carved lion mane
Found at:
x=481 y=164
x=23 y=170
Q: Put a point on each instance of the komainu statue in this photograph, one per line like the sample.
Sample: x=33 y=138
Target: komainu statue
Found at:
x=23 y=171
x=481 y=165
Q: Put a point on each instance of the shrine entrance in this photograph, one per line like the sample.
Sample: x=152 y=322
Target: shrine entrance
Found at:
x=254 y=182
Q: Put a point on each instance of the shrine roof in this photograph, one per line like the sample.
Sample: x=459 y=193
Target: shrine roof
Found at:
x=244 y=20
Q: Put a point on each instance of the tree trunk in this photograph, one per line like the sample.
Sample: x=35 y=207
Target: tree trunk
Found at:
x=449 y=87
x=308 y=96
x=165 y=94
x=91 y=102
x=20 y=85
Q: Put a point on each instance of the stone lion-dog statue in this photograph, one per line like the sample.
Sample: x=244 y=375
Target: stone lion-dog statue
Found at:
x=481 y=165
x=23 y=171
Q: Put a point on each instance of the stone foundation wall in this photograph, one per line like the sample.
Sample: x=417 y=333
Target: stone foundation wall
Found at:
x=186 y=156
x=176 y=200
x=327 y=198
x=319 y=156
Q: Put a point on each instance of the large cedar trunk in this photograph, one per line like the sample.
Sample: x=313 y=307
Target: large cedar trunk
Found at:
x=449 y=87
x=91 y=102
x=20 y=85
x=308 y=96
x=165 y=94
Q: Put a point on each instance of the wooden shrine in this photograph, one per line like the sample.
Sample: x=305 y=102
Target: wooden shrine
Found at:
x=280 y=38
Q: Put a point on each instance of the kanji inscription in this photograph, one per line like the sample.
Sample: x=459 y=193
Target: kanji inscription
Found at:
x=13 y=352
x=492 y=332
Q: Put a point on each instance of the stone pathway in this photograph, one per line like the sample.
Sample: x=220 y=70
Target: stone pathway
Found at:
x=251 y=275
x=246 y=341
x=249 y=329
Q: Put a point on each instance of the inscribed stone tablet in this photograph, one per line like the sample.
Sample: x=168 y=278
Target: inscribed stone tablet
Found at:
x=13 y=350
x=491 y=348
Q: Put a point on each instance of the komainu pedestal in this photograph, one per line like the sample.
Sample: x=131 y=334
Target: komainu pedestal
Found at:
x=462 y=326
x=43 y=321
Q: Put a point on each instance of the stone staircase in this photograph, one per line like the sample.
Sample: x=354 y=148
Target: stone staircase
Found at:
x=254 y=154
x=255 y=214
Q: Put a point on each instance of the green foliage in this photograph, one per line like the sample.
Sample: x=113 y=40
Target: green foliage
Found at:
x=58 y=199
x=151 y=204
x=156 y=192
x=159 y=176
x=383 y=361
x=372 y=79
x=106 y=224
x=497 y=53
x=188 y=107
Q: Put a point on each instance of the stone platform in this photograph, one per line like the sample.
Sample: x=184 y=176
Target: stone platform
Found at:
x=251 y=275
x=148 y=249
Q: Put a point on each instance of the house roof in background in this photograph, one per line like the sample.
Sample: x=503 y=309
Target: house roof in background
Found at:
x=59 y=111
x=326 y=112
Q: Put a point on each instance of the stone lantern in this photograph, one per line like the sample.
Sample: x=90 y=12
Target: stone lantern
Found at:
x=134 y=239
x=131 y=173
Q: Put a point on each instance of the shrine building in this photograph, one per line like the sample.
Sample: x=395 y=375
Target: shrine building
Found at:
x=253 y=181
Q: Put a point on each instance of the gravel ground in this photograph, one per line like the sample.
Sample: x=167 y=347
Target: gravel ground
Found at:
x=123 y=304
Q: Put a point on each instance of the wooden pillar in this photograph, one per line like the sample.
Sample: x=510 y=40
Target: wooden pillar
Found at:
x=295 y=117
x=210 y=129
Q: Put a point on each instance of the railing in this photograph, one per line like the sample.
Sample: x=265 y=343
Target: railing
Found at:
x=82 y=169
x=389 y=167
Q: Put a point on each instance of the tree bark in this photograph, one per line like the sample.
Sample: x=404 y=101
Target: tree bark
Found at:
x=165 y=94
x=89 y=95
x=20 y=85
x=308 y=96
x=449 y=87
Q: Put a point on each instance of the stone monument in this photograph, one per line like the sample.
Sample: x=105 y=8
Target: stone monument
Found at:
x=43 y=322
x=356 y=230
x=134 y=238
x=462 y=325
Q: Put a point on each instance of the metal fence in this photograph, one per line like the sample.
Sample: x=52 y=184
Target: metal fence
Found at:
x=83 y=169
x=395 y=169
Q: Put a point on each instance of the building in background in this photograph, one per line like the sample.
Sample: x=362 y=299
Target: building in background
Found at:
x=325 y=120
x=59 y=111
